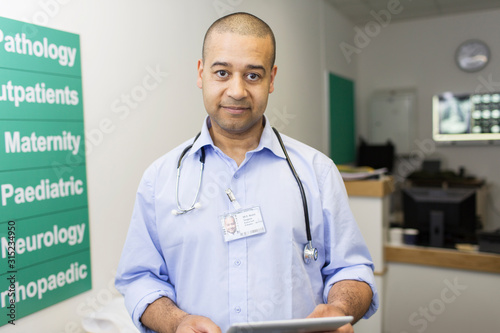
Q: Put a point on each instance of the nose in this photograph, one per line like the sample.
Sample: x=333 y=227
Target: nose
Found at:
x=237 y=88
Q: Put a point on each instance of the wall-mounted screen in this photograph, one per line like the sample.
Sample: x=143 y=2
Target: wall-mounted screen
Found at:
x=466 y=117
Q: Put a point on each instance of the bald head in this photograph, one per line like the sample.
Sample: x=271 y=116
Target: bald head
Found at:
x=242 y=24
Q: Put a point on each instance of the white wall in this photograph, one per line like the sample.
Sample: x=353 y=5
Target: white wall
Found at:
x=337 y=30
x=121 y=43
x=419 y=54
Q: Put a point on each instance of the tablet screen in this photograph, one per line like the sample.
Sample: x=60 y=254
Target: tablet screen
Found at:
x=291 y=325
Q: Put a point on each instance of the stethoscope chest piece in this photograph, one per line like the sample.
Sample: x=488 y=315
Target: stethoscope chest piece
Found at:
x=310 y=253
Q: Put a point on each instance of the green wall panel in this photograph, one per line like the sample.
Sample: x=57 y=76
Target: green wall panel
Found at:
x=342 y=120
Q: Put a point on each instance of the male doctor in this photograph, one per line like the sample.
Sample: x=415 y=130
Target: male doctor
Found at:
x=179 y=273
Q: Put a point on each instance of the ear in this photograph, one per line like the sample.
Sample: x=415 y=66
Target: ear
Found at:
x=199 y=80
x=273 y=75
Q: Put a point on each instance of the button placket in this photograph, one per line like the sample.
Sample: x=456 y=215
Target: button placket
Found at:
x=238 y=279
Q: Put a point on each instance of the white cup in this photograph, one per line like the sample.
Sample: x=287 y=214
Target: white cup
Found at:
x=396 y=236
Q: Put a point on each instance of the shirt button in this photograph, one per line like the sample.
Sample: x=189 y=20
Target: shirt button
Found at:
x=237 y=309
x=237 y=262
x=236 y=176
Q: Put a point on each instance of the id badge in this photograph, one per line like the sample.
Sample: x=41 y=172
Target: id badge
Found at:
x=242 y=223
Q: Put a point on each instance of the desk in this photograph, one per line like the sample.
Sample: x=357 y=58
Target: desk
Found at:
x=449 y=258
x=370 y=188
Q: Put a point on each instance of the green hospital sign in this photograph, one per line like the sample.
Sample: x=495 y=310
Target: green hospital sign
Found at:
x=44 y=222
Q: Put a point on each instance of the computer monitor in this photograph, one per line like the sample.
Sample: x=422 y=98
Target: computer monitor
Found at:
x=376 y=155
x=466 y=117
x=444 y=217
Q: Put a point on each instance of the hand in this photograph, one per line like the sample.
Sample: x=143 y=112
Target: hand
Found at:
x=328 y=310
x=197 y=324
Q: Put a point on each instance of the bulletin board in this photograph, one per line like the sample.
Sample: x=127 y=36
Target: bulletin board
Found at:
x=391 y=117
x=44 y=221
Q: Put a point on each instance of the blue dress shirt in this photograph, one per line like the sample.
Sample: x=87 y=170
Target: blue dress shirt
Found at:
x=261 y=277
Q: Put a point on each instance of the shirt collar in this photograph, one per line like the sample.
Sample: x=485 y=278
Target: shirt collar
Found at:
x=204 y=139
x=268 y=139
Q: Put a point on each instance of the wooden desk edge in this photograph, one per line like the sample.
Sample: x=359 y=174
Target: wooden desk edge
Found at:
x=370 y=188
x=482 y=262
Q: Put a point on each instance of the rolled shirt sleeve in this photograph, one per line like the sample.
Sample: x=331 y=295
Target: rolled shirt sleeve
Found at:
x=346 y=254
x=142 y=275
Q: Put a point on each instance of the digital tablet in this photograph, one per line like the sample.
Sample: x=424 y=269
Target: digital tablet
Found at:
x=291 y=325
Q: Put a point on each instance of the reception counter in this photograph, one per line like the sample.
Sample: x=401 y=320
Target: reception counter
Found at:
x=422 y=288
x=440 y=290
x=370 y=202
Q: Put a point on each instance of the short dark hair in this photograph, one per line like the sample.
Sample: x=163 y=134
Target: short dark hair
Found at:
x=243 y=24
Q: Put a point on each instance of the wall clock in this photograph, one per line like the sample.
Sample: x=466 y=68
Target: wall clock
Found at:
x=472 y=55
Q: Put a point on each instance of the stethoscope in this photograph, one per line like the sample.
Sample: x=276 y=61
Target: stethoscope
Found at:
x=310 y=252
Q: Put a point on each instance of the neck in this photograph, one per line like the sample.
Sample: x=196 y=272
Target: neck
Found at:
x=236 y=145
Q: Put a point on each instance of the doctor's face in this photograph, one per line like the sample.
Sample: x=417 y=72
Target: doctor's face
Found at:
x=236 y=78
x=230 y=224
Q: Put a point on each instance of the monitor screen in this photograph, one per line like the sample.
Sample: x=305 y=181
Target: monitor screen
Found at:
x=452 y=211
x=466 y=117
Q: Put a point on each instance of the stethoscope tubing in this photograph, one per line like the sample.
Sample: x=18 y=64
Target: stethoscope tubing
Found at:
x=299 y=183
x=309 y=251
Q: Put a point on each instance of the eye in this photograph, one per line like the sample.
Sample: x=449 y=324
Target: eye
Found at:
x=222 y=74
x=253 y=76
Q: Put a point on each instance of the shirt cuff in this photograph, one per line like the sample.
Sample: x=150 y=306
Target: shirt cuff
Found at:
x=144 y=303
x=358 y=273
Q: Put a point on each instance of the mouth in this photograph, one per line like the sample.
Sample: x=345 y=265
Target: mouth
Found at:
x=235 y=109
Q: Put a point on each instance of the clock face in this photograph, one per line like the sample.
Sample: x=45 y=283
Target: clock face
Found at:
x=472 y=55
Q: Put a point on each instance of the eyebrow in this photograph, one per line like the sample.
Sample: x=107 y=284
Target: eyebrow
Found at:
x=258 y=67
x=225 y=64
x=220 y=63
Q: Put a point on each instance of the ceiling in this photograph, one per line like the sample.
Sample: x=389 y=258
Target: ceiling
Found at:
x=359 y=11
